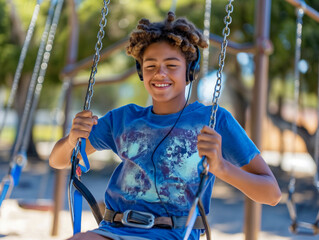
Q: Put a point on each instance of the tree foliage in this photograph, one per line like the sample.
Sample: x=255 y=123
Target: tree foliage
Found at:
x=123 y=16
x=283 y=34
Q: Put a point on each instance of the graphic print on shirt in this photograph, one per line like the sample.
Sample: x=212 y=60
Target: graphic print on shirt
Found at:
x=176 y=161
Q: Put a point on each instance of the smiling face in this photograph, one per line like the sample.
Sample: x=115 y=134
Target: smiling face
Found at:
x=164 y=73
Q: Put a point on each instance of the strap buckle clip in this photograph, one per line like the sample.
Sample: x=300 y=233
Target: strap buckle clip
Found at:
x=138 y=219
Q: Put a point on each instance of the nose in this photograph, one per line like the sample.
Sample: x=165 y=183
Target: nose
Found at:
x=160 y=73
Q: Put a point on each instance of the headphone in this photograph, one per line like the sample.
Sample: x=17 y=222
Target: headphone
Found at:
x=192 y=72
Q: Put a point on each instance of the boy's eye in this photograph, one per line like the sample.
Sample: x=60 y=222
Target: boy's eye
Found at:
x=172 y=66
x=149 y=67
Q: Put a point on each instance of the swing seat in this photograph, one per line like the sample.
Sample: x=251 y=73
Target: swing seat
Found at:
x=39 y=205
x=305 y=228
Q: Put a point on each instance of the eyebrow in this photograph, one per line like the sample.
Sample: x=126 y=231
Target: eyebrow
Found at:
x=166 y=59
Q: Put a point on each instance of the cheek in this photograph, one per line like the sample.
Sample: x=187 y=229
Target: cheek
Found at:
x=146 y=84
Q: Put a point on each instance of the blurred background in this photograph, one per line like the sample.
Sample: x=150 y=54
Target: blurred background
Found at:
x=40 y=94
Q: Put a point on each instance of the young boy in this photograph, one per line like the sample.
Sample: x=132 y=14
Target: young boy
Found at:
x=161 y=145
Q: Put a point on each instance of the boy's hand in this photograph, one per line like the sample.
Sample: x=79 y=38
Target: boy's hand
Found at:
x=209 y=144
x=81 y=126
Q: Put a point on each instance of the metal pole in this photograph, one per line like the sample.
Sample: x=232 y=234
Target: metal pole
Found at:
x=60 y=185
x=215 y=40
x=312 y=13
x=258 y=105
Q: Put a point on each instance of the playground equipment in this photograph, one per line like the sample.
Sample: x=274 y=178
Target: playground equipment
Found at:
x=19 y=156
x=75 y=197
x=23 y=54
x=261 y=49
x=197 y=205
x=297 y=226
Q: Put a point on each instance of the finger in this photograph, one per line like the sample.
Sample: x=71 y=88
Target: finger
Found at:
x=84 y=120
x=84 y=113
x=75 y=134
x=95 y=119
x=207 y=129
x=208 y=152
x=207 y=145
x=80 y=134
x=82 y=127
x=209 y=137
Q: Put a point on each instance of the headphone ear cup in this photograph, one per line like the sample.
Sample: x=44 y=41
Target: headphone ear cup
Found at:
x=139 y=70
x=194 y=68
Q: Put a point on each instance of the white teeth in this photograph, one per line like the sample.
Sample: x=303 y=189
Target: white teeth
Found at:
x=161 y=85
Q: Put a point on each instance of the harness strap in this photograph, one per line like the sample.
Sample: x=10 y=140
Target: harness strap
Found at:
x=80 y=191
x=84 y=191
x=77 y=219
x=12 y=179
x=164 y=222
x=6 y=187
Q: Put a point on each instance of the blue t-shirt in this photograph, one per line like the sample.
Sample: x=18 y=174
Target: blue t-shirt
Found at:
x=146 y=180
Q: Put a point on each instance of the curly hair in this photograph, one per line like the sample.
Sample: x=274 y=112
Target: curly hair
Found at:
x=177 y=32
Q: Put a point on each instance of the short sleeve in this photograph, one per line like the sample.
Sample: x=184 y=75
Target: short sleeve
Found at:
x=237 y=147
x=101 y=136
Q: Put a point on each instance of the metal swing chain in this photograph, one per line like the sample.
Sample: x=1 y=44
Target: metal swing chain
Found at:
x=292 y=182
x=207 y=17
x=296 y=226
x=19 y=157
x=221 y=64
x=26 y=120
x=173 y=6
x=203 y=176
x=41 y=67
x=22 y=57
x=96 y=59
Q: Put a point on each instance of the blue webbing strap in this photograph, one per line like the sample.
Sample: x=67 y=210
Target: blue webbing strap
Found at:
x=16 y=173
x=85 y=159
x=81 y=190
x=77 y=212
x=12 y=179
x=197 y=206
x=6 y=186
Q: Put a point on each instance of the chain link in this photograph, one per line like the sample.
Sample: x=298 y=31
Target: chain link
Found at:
x=221 y=64
x=207 y=18
x=96 y=58
x=299 y=23
x=20 y=65
x=173 y=6
x=300 y=14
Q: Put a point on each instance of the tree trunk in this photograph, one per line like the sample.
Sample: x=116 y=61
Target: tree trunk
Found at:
x=18 y=34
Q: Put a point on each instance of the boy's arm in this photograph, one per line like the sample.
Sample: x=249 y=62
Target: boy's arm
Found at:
x=60 y=156
x=255 y=179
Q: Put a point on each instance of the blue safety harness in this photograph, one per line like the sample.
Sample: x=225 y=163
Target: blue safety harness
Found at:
x=76 y=189
x=75 y=196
